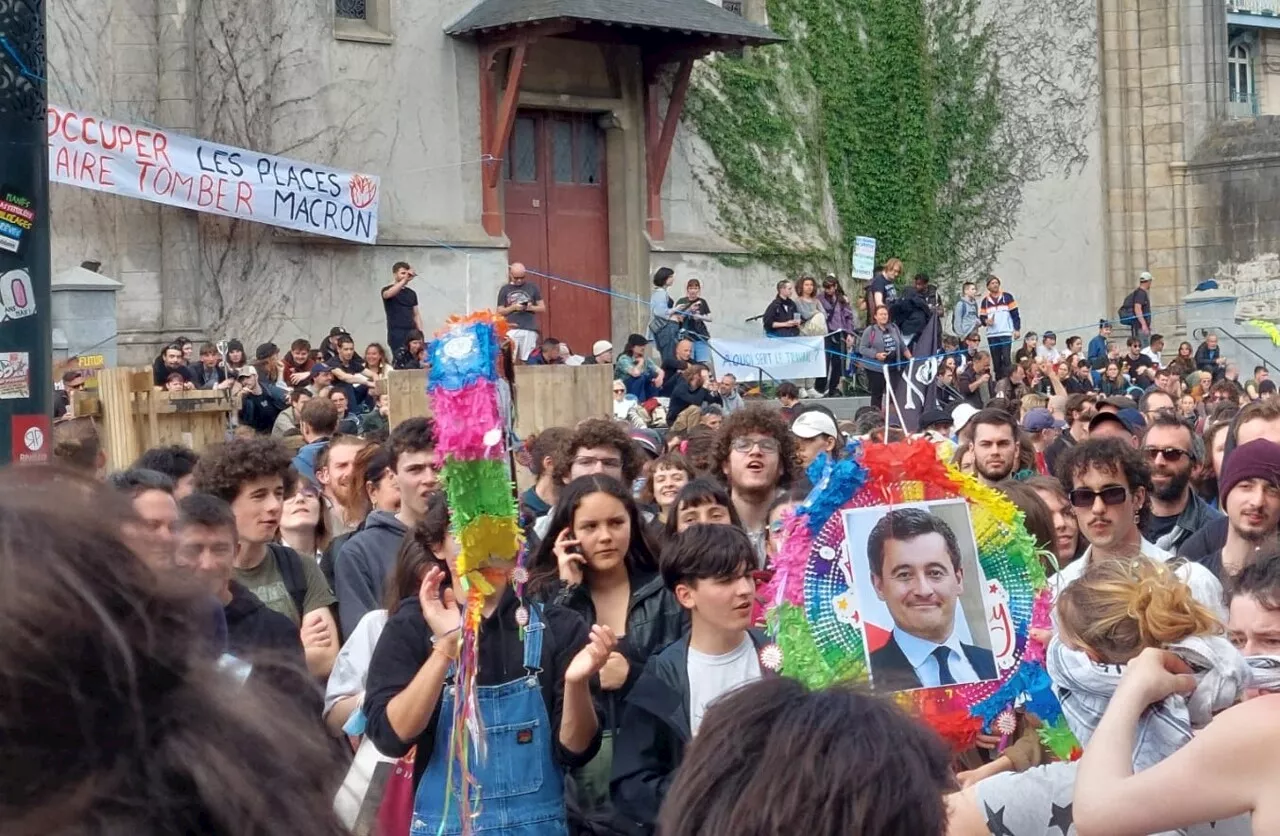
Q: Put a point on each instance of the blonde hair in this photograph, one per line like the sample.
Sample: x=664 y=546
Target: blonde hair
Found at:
x=1120 y=607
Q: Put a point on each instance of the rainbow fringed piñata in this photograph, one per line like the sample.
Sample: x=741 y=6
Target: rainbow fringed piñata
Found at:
x=471 y=440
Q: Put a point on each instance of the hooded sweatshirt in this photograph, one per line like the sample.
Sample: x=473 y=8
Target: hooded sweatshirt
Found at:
x=361 y=571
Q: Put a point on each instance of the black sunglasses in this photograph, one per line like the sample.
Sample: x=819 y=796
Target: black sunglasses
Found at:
x=1173 y=455
x=1113 y=495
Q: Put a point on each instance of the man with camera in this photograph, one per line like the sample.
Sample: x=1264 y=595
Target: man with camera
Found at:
x=401 y=306
x=518 y=301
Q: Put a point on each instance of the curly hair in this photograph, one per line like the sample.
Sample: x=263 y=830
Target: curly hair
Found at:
x=756 y=418
x=225 y=468
x=597 y=432
x=1112 y=455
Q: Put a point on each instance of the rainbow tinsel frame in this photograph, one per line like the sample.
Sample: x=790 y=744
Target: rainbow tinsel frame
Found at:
x=820 y=650
x=471 y=441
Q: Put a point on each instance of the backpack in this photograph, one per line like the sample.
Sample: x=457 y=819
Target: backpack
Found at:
x=1126 y=308
x=289 y=563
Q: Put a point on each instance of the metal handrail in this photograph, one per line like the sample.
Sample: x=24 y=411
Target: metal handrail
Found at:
x=1201 y=333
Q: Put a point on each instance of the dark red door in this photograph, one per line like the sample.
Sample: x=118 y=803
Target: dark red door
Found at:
x=557 y=217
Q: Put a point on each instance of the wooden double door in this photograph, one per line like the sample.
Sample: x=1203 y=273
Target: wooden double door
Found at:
x=557 y=219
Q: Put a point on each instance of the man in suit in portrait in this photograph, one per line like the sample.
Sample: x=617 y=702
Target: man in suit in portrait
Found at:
x=915 y=569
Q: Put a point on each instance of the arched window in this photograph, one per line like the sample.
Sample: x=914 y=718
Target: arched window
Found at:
x=1240 y=75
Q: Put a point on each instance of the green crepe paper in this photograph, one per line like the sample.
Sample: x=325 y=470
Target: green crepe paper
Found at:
x=1059 y=739
x=476 y=489
x=801 y=658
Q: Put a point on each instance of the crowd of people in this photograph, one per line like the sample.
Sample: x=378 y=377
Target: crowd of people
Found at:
x=271 y=615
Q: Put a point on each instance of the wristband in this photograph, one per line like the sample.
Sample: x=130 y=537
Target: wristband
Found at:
x=435 y=643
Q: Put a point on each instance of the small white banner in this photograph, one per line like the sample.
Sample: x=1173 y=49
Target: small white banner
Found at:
x=782 y=358
x=178 y=170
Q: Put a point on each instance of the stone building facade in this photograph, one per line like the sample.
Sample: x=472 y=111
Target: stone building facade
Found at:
x=414 y=92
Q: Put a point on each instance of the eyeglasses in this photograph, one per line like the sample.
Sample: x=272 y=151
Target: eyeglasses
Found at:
x=744 y=444
x=592 y=461
x=1112 y=495
x=1173 y=455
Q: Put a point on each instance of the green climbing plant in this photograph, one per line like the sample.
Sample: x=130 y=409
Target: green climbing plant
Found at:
x=876 y=117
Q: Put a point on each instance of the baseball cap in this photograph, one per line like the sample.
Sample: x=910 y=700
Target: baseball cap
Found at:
x=1041 y=419
x=647 y=440
x=337 y=331
x=1144 y=277
x=961 y=415
x=812 y=424
x=935 y=416
x=600 y=347
x=1048 y=335
x=1130 y=419
x=320 y=367
x=247 y=371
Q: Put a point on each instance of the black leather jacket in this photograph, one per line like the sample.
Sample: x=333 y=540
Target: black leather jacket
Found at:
x=655 y=619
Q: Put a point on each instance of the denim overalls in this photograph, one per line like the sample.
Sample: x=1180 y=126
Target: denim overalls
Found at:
x=521 y=787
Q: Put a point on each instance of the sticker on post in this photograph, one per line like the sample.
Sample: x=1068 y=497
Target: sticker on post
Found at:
x=16 y=295
x=17 y=217
x=15 y=375
x=30 y=439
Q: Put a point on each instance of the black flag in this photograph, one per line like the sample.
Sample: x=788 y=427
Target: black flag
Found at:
x=915 y=384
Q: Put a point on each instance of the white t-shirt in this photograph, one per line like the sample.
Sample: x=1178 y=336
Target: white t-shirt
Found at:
x=711 y=677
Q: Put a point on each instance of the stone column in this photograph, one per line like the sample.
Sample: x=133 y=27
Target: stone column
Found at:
x=179 y=228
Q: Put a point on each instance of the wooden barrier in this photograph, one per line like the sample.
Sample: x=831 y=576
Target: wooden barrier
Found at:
x=135 y=417
x=407 y=391
x=561 y=396
x=546 y=396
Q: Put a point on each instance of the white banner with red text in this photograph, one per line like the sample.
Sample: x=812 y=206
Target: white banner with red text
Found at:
x=178 y=170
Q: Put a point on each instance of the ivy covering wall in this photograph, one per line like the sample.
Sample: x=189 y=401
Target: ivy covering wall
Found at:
x=886 y=118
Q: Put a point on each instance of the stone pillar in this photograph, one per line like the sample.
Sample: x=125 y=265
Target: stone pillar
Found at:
x=179 y=228
x=84 y=310
x=1161 y=76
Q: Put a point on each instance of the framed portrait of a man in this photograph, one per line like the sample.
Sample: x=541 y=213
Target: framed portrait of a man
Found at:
x=919 y=595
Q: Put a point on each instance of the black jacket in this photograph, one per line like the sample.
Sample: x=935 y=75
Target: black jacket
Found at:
x=1205 y=546
x=780 y=310
x=655 y=619
x=655 y=731
x=405 y=646
x=259 y=411
x=682 y=398
x=910 y=313
x=270 y=641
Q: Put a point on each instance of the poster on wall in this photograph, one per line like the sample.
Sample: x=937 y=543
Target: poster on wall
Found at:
x=864 y=257
x=177 y=170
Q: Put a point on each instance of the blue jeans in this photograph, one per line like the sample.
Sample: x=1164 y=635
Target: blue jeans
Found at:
x=519 y=786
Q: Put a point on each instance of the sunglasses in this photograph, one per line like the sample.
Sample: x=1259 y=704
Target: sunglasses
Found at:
x=1113 y=495
x=1173 y=455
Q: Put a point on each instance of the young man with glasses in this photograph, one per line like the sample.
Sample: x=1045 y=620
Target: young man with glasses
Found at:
x=1172 y=450
x=755 y=458
x=1109 y=485
x=598 y=445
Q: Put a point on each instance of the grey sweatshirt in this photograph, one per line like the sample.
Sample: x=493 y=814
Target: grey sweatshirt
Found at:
x=363 y=566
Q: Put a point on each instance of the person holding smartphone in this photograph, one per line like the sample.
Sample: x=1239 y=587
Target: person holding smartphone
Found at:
x=401 y=305
x=519 y=301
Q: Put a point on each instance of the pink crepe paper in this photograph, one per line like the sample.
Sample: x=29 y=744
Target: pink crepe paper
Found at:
x=787 y=585
x=1041 y=619
x=464 y=417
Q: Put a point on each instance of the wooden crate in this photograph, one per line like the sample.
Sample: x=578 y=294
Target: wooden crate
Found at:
x=135 y=417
